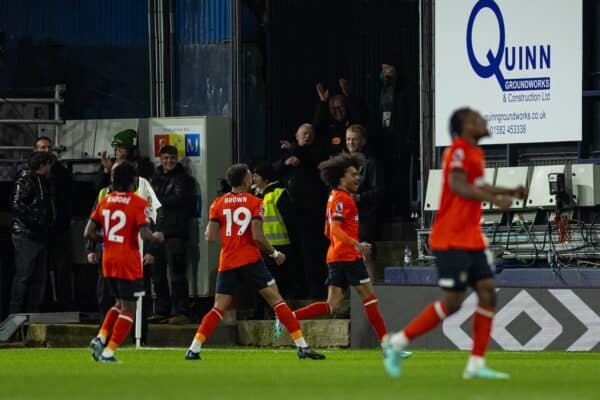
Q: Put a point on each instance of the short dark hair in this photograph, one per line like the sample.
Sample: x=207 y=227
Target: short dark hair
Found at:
x=123 y=176
x=38 y=159
x=265 y=170
x=40 y=138
x=236 y=174
x=457 y=120
x=334 y=169
x=168 y=149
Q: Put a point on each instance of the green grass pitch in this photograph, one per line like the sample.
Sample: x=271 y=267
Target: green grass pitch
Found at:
x=278 y=374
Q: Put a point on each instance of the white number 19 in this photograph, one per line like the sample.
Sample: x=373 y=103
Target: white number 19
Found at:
x=241 y=217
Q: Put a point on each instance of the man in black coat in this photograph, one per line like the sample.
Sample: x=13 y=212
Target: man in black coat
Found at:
x=31 y=204
x=309 y=196
x=334 y=114
x=174 y=189
x=59 y=244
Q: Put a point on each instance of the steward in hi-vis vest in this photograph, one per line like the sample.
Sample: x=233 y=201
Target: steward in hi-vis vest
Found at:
x=273 y=224
x=278 y=226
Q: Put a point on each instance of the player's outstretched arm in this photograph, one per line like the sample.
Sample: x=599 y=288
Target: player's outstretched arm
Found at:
x=91 y=231
x=363 y=248
x=457 y=179
x=261 y=240
x=520 y=191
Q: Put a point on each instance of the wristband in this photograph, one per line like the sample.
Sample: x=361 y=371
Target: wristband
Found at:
x=275 y=254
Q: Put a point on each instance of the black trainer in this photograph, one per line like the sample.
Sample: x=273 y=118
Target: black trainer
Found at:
x=308 y=352
x=190 y=355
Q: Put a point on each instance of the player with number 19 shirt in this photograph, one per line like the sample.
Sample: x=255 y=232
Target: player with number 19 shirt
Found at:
x=121 y=214
x=234 y=212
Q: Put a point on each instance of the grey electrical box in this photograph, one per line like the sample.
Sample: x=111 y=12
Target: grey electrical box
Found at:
x=489 y=177
x=204 y=148
x=539 y=191
x=434 y=190
x=585 y=183
x=511 y=177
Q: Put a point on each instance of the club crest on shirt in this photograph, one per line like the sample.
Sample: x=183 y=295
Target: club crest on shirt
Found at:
x=339 y=207
x=262 y=210
x=459 y=155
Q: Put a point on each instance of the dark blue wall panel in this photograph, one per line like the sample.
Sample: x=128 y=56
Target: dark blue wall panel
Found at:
x=98 y=48
x=202 y=21
x=202 y=57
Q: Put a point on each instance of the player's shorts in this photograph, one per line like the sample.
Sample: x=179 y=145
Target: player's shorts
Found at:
x=458 y=269
x=125 y=289
x=347 y=273
x=256 y=274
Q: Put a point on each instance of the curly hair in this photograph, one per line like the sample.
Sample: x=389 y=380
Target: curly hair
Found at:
x=123 y=177
x=333 y=170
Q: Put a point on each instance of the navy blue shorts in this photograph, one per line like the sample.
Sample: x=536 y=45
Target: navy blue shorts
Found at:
x=256 y=274
x=125 y=289
x=347 y=273
x=458 y=269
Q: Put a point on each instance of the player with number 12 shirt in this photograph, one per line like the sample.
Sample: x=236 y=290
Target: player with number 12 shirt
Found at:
x=238 y=217
x=121 y=216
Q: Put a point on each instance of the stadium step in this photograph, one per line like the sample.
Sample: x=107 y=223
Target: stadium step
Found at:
x=319 y=333
x=78 y=335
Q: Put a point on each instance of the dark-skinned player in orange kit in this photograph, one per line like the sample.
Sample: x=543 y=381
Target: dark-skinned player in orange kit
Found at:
x=121 y=215
x=460 y=248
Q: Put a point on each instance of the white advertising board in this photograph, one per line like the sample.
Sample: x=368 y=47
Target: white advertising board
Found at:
x=517 y=62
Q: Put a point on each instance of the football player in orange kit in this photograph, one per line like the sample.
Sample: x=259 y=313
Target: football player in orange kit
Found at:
x=460 y=246
x=238 y=216
x=121 y=215
x=345 y=256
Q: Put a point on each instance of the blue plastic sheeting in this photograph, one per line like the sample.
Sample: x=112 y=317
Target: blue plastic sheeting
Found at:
x=518 y=277
x=202 y=21
x=75 y=22
x=202 y=84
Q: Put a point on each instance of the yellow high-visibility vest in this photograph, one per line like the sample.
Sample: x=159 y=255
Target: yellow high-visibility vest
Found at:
x=105 y=191
x=273 y=225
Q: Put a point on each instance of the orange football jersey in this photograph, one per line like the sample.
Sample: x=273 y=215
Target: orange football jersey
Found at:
x=234 y=213
x=121 y=214
x=341 y=207
x=456 y=224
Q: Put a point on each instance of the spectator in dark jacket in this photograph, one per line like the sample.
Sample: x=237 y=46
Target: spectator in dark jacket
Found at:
x=59 y=244
x=174 y=189
x=309 y=197
x=370 y=192
x=334 y=114
x=30 y=227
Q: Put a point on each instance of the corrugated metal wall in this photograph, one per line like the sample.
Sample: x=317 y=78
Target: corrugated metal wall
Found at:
x=97 y=47
x=202 y=21
x=202 y=70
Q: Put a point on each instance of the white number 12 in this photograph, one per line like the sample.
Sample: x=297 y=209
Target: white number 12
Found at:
x=242 y=222
x=112 y=231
